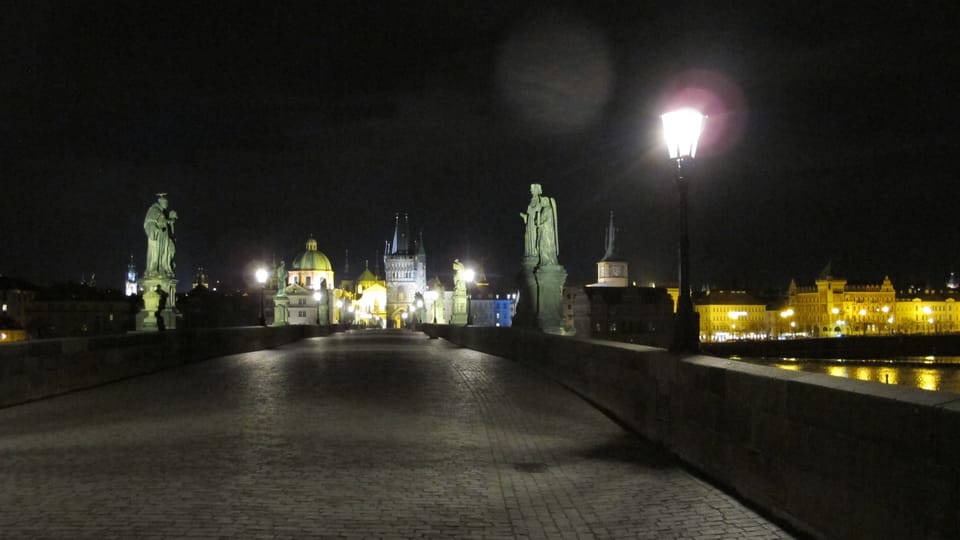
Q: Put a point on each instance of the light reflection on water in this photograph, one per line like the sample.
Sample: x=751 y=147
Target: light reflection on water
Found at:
x=929 y=373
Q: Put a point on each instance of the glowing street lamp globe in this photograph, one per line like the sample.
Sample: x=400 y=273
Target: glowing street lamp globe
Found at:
x=681 y=131
x=469 y=275
x=261 y=275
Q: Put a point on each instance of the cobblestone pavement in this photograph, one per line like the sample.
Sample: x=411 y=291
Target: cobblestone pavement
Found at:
x=366 y=434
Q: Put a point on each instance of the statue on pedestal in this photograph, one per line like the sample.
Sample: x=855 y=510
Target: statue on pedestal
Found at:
x=159 y=312
x=161 y=244
x=460 y=308
x=542 y=278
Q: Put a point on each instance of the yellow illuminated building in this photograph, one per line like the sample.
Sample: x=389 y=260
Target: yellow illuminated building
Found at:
x=370 y=301
x=726 y=315
x=928 y=312
x=832 y=307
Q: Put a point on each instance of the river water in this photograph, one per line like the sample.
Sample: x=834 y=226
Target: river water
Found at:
x=928 y=373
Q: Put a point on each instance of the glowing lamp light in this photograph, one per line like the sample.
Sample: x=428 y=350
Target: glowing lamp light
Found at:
x=261 y=276
x=681 y=131
x=927 y=310
x=318 y=296
x=835 y=311
x=786 y=313
x=469 y=275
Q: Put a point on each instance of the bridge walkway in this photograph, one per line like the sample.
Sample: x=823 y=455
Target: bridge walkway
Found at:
x=364 y=434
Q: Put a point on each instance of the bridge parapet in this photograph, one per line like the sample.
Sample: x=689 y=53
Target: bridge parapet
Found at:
x=31 y=370
x=836 y=458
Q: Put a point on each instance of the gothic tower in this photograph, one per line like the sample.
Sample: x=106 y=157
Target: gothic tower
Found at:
x=405 y=270
x=612 y=269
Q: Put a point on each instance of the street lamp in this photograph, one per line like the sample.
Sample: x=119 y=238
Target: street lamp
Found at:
x=468 y=276
x=262 y=280
x=317 y=295
x=432 y=296
x=681 y=132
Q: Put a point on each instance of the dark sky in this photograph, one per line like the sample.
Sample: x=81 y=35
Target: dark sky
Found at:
x=832 y=134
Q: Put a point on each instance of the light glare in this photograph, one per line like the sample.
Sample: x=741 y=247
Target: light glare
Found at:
x=681 y=131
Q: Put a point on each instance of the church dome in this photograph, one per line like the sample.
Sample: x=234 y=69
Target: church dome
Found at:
x=311 y=259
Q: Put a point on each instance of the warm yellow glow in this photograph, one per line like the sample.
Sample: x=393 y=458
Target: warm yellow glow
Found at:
x=930 y=320
x=835 y=311
x=888 y=376
x=789 y=367
x=318 y=296
x=261 y=276
x=862 y=373
x=926 y=310
x=928 y=379
x=339 y=304
x=736 y=314
x=786 y=313
x=890 y=320
x=681 y=132
x=863 y=312
x=837 y=371
x=885 y=309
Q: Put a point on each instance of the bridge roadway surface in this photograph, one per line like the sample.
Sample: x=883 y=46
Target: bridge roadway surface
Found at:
x=364 y=434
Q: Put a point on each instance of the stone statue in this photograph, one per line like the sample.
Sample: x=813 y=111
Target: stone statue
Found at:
x=459 y=283
x=161 y=245
x=540 y=237
x=282 y=279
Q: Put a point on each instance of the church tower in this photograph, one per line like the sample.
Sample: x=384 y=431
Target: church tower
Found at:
x=405 y=269
x=130 y=287
x=611 y=269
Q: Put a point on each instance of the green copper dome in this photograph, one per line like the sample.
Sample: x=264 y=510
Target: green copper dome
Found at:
x=311 y=259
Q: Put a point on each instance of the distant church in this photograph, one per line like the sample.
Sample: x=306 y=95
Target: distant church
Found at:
x=405 y=269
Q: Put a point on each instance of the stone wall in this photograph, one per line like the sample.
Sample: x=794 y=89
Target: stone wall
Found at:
x=32 y=370
x=835 y=458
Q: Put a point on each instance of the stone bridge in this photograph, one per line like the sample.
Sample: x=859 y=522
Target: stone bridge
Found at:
x=391 y=434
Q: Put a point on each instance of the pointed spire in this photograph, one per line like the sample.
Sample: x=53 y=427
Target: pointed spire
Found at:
x=346 y=262
x=420 y=249
x=827 y=272
x=396 y=235
x=610 y=247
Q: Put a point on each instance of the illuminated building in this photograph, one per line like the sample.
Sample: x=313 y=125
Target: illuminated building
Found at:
x=927 y=312
x=727 y=315
x=311 y=269
x=405 y=270
x=832 y=307
x=370 y=299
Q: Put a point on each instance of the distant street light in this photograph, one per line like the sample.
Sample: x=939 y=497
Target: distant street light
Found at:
x=681 y=131
x=318 y=296
x=262 y=275
x=468 y=276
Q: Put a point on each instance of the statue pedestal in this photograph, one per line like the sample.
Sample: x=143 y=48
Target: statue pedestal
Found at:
x=541 y=297
x=159 y=305
x=550 y=280
x=459 y=315
x=280 y=310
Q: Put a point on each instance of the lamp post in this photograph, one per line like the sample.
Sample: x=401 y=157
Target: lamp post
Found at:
x=432 y=296
x=468 y=276
x=318 y=296
x=262 y=280
x=681 y=131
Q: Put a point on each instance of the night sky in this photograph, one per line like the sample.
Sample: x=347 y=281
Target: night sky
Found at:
x=832 y=135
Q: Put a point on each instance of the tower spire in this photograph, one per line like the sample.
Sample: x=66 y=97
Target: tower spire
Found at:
x=396 y=234
x=610 y=251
